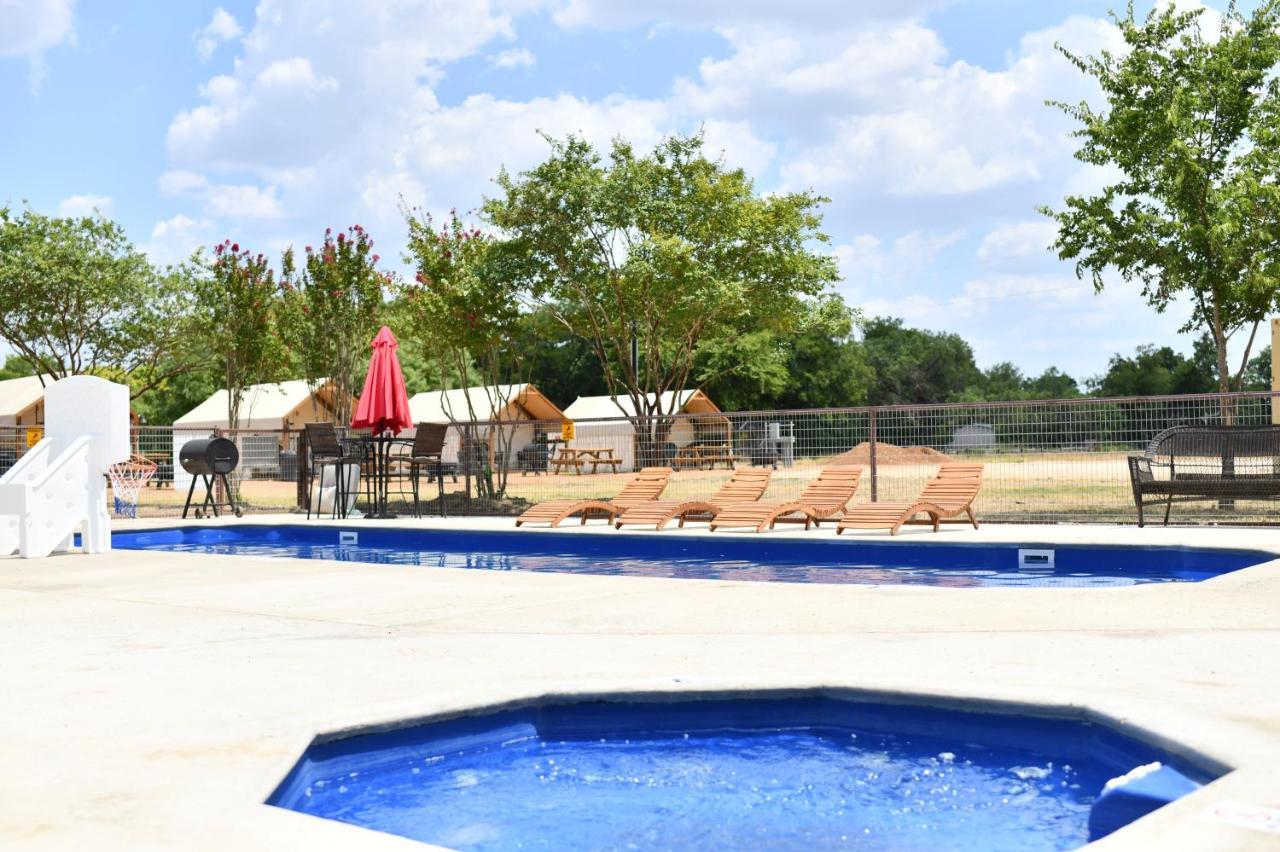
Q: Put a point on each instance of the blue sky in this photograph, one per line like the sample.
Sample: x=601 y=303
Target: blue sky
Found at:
x=266 y=122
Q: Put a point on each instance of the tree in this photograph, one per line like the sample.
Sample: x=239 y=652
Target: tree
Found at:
x=671 y=249
x=812 y=369
x=466 y=311
x=1052 y=384
x=1158 y=371
x=76 y=297
x=916 y=366
x=1258 y=375
x=332 y=307
x=238 y=302
x=15 y=367
x=562 y=365
x=1192 y=126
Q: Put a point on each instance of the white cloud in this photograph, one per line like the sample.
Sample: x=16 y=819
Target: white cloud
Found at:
x=935 y=165
x=222 y=27
x=868 y=264
x=807 y=14
x=33 y=27
x=76 y=206
x=978 y=293
x=174 y=240
x=1018 y=240
x=514 y=58
x=222 y=200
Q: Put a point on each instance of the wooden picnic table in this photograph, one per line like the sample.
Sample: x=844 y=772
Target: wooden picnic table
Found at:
x=699 y=455
x=580 y=457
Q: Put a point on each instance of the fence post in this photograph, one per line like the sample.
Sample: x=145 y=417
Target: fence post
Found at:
x=1275 y=370
x=874 y=483
x=301 y=468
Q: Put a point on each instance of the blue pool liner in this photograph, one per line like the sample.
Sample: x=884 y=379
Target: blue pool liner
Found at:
x=1188 y=562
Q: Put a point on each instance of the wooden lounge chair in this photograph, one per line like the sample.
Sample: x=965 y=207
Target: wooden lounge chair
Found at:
x=943 y=499
x=822 y=498
x=747 y=486
x=646 y=486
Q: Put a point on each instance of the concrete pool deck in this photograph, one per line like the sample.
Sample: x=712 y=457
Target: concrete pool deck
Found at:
x=153 y=700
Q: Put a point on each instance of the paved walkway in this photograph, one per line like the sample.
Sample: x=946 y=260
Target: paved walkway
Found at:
x=153 y=700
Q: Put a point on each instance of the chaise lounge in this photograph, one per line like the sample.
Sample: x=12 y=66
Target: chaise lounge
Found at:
x=945 y=498
x=821 y=499
x=747 y=485
x=645 y=487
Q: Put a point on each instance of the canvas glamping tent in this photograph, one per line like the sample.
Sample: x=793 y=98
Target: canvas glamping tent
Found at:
x=608 y=423
x=22 y=411
x=276 y=408
x=521 y=403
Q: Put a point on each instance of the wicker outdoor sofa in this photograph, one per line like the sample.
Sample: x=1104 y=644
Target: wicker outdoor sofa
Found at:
x=1189 y=463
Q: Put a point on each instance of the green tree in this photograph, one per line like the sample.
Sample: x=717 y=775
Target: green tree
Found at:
x=177 y=395
x=77 y=297
x=1192 y=126
x=670 y=248
x=1258 y=375
x=562 y=365
x=333 y=305
x=1158 y=371
x=238 y=303
x=813 y=370
x=1052 y=384
x=15 y=367
x=916 y=366
x=465 y=309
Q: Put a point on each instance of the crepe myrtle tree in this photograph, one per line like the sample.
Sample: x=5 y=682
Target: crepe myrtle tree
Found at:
x=77 y=297
x=238 y=302
x=333 y=304
x=465 y=311
x=1191 y=128
x=670 y=248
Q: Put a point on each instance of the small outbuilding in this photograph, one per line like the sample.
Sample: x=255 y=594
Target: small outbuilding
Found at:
x=607 y=421
x=485 y=406
x=974 y=438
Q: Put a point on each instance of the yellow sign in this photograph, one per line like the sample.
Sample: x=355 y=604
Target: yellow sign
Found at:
x=566 y=430
x=33 y=437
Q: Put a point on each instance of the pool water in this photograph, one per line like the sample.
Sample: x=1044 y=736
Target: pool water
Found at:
x=717 y=557
x=748 y=774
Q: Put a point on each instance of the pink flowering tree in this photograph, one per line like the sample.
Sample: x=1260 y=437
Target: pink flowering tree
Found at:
x=465 y=315
x=334 y=298
x=238 y=303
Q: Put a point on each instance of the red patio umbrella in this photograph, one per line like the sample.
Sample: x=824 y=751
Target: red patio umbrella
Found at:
x=383 y=406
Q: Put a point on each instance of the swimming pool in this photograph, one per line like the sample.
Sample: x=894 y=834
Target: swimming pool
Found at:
x=747 y=773
x=718 y=557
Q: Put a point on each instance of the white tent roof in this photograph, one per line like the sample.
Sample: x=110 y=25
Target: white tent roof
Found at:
x=261 y=407
x=18 y=394
x=590 y=407
x=452 y=405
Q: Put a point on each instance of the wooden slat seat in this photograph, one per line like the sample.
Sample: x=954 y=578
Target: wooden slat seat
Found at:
x=747 y=485
x=646 y=486
x=947 y=498
x=823 y=498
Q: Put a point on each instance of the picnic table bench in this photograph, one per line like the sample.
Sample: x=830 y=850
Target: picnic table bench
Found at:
x=579 y=457
x=1189 y=463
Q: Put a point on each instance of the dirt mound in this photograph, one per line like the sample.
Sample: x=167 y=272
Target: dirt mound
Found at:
x=890 y=454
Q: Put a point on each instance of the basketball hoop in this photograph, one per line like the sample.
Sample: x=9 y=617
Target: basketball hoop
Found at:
x=127 y=479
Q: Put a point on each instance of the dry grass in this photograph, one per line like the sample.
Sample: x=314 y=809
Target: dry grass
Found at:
x=1030 y=487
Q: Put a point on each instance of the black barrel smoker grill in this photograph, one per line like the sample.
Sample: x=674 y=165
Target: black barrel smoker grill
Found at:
x=210 y=459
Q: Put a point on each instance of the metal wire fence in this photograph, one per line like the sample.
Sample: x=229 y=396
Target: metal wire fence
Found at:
x=1045 y=461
